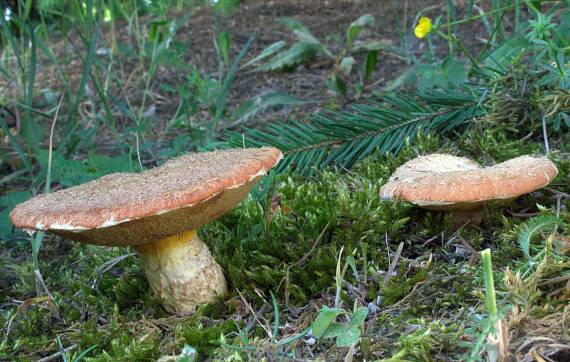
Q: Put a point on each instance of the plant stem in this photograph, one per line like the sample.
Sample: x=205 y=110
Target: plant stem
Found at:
x=457 y=22
x=489 y=284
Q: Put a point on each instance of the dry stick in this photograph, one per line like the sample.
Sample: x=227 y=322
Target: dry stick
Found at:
x=269 y=334
x=7 y=178
x=37 y=273
x=393 y=263
x=350 y=354
x=474 y=253
x=138 y=150
x=105 y=267
x=50 y=151
x=562 y=194
x=22 y=307
x=54 y=356
x=546 y=147
x=430 y=240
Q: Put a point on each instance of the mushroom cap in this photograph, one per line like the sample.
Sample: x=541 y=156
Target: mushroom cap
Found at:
x=446 y=182
x=136 y=208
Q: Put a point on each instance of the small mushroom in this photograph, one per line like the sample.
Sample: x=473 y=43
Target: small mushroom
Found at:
x=450 y=183
x=157 y=211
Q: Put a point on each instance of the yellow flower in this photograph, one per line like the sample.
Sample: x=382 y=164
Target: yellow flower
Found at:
x=423 y=28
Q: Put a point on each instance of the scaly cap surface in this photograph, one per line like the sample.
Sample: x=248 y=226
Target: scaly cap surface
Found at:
x=133 y=209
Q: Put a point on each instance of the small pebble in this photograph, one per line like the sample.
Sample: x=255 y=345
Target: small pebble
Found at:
x=311 y=341
x=373 y=308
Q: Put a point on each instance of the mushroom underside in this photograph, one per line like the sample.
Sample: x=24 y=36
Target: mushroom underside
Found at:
x=150 y=229
x=467 y=212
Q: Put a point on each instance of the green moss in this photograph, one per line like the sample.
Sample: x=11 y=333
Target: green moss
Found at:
x=290 y=249
x=205 y=339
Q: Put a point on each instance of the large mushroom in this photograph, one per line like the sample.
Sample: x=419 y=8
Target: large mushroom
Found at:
x=450 y=183
x=157 y=211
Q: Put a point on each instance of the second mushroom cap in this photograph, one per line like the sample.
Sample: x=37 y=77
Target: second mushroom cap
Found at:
x=446 y=182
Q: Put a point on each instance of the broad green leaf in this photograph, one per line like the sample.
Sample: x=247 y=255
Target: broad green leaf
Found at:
x=334 y=330
x=450 y=72
x=75 y=172
x=510 y=49
x=298 y=53
x=267 y=52
x=356 y=28
x=358 y=317
x=11 y=199
x=104 y=165
x=7 y=203
x=57 y=164
x=370 y=64
x=324 y=319
x=348 y=338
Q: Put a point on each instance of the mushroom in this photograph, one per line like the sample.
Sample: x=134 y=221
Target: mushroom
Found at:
x=157 y=211
x=450 y=183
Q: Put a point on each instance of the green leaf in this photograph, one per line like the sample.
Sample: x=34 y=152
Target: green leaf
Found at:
x=104 y=165
x=334 y=330
x=324 y=319
x=267 y=52
x=252 y=107
x=296 y=54
x=338 y=85
x=450 y=73
x=358 y=317
x=7 y=203
x=346 y=65
x=502 y=55
x=301 y=31
x=13 y=198
x=371 y=45
x=14 y=143
x=370 y=64
x=223 y=97
x=348 y=338
x=356 y=28
x=224 y=45
x=531 y=227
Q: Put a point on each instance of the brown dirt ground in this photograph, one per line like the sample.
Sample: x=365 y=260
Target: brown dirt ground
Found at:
x=326 y=19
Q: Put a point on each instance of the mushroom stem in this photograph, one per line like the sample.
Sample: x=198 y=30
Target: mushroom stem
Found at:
x=182 y=272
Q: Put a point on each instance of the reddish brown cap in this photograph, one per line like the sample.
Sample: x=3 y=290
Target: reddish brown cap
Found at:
x=446 y=182
x=133 y=209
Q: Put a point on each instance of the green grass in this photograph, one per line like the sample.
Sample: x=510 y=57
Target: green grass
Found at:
x=125 y=322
